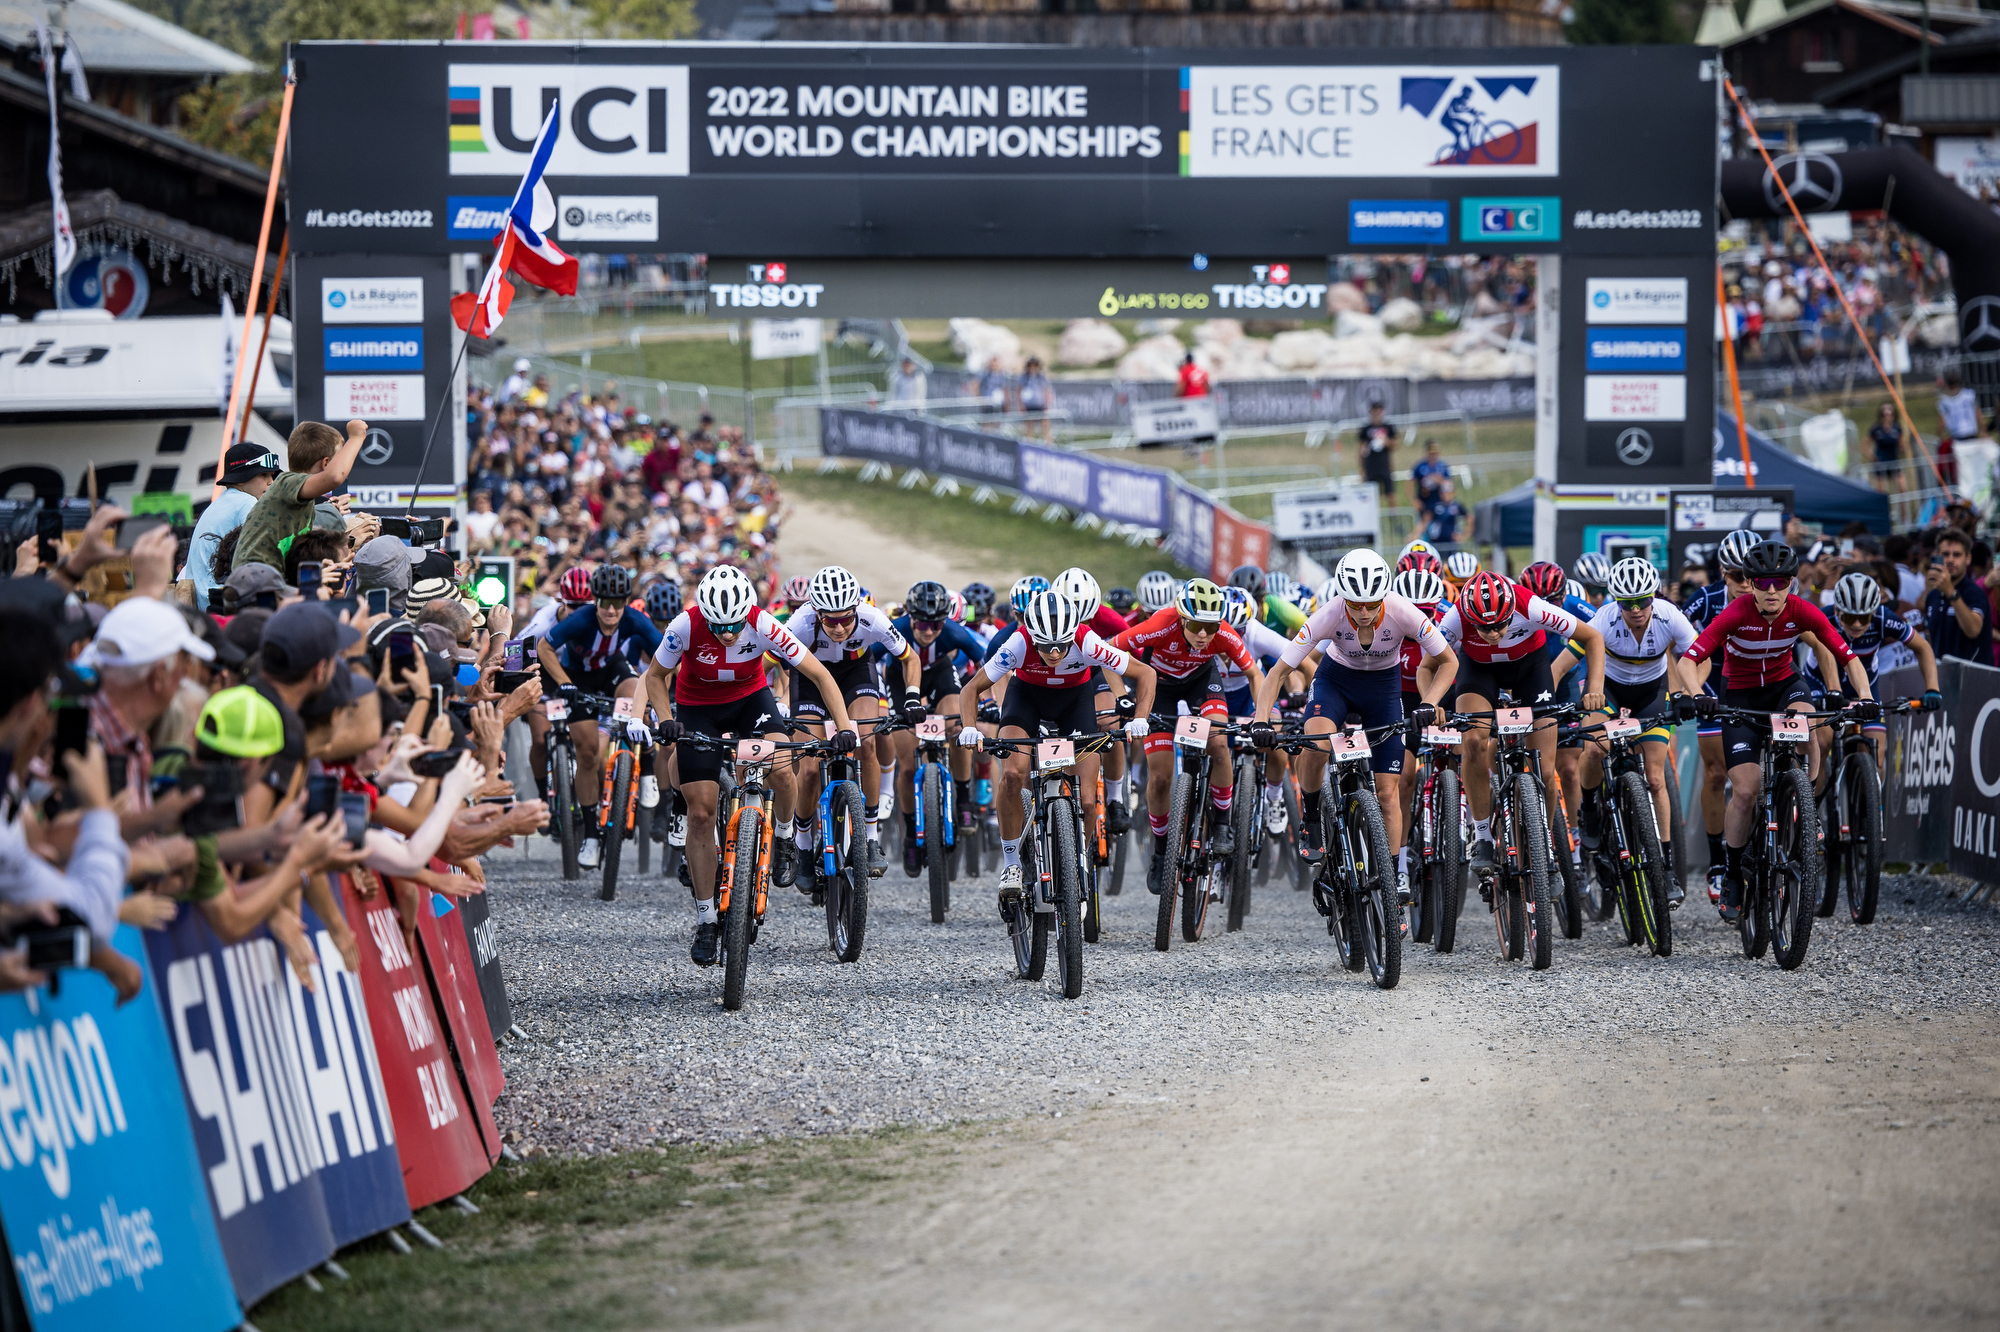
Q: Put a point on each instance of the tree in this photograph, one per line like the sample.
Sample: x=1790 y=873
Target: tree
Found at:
x=1625 y=23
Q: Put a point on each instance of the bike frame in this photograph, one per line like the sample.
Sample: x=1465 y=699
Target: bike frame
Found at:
x=935 y=752
x=1436 y=757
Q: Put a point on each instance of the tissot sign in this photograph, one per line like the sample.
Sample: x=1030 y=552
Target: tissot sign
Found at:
x=825 y=151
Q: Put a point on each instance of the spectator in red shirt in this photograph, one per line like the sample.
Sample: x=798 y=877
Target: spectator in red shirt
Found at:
x=1194 y=379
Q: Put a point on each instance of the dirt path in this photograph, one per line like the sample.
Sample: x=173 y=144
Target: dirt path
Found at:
x=1434 y=1174
x=817 y=534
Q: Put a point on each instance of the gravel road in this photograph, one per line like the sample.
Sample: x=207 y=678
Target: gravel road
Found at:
x=627 y=1043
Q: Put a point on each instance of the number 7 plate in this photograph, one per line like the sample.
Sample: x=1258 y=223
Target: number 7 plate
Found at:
x=1053 y=754
x=1789 y=728
x=1514 y=721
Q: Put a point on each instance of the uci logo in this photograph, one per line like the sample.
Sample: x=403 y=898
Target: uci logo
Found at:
x=610 y=120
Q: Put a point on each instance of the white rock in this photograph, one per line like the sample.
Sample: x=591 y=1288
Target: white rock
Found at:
x=983 y=344
x=1345 y=296
x=1353 y=323
x=1146 y=328
x=1089 y=342
x=1301 y=349
x=1216 y=332
x=1401 y=315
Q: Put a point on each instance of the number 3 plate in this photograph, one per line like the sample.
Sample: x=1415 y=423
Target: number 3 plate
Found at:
x=1191 y=731
x=1514 y=721
x=931 y=728
x=1789 y=729
x=1349 y=746
x=622 y=709
x=1052 y=754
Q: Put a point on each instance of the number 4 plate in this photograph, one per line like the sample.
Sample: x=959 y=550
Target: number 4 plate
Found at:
x=931 y=728
x=1514 y=721
x=1349 y=746
x=1053 y=754
x=1789 y=728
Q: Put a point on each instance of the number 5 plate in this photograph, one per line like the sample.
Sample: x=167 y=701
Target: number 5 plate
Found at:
x=1191 y=731
x=755 y=751
x=557 y=709
x=931 y=728
x=1789 y=729
x=1349 y=746
x=1514 y=721
x=1053 y=754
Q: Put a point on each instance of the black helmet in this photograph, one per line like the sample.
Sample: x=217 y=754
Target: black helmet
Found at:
x=663 y=600
x=1248 y=577
x=1770 y=559
x=611 y=581
x=928 y=601
x=978 y=596
x=1121 y=599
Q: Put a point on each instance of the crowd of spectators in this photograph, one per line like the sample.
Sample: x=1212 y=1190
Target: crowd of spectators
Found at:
x=1782 y=303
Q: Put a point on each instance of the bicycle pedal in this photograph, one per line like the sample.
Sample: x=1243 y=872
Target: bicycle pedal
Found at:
x=818 y=897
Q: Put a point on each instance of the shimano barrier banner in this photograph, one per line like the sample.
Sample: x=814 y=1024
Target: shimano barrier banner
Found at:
x=1191 y=535
x=476 y=918
x=102 y=1196
x=1087 y=483
x=1974 y=820
x=437 y=1141
x=245 y=1086
x=1266 y=156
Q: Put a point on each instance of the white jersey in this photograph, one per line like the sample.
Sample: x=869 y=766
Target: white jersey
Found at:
x=872 y=628
x=1086 y=654
x=1523 y=635
x=1329 y=629
x=543 y=620
x=1640 y=659
x=1262 y=640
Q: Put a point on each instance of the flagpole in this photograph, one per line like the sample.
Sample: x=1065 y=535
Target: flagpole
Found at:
x=430 y=436
x=256 y=280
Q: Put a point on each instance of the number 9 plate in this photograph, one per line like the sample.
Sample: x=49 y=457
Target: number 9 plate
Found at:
x=755 y=751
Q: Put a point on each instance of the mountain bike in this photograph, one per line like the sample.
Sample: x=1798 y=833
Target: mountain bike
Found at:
x=562 y=784
x=1054 y=874
x=1852 y=818
x=1437 y=840
x=1355 y=888
x=1566 y=891
x=743 y=831
x=1781 y=865
x=1189 y=879
x=1244 y=809
x=840 y=832
x=617 y=778
x=1626 y=856
x=936 y=808
x=1520 y=892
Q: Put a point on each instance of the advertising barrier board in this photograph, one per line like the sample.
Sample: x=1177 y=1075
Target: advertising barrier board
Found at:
x=1974 y=824
x=455 y=991
x=476 y=919
x=101 y=1194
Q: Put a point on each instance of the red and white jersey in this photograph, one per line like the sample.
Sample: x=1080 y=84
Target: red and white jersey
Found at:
x=1108 y=623
x=1159 y=643
x=1330 y=629
x=1413 y=653
x=711 y=671
x=1760 y=650
x=1077 y=667
x=1525 y=634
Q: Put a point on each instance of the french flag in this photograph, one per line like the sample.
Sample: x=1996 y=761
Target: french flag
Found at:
x=522 y=249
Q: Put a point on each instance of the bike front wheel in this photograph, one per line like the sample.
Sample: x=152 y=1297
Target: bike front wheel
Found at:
x=620 y=795
x=1795 y=885
x=847 y=890
x=742 y=908
x=1446 y=872
x=1068 y=883
x=562 y=808
x=1647 y=872
x=1862 y=861
x=935 y=859
x=1536 y=883
x=1180 y=835
x=1378 y=912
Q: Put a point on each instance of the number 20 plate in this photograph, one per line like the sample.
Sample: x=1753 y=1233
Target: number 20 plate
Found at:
x=1514 y=721
x=1053 y=754
x=1788 y=729
x=931 y=728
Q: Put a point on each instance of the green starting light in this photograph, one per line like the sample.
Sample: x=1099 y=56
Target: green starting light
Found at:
x=493 y=582
x=490 y=590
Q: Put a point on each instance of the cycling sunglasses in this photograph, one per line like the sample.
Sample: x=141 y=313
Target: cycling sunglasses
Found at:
x=838 y=620
x=1369 y=606
x=610 y=603
x=1634 y=603
x=1771 y=584
x=928 y=626
x=720 y=629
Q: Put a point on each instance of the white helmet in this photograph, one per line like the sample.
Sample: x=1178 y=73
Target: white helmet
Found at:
x=1158 y=590
x=1080 y=587
x=834 y=589
x=1858 y=595
x=1326 y=592
x=1735 y=546
x=1633 y=578
x=1461 y=565
x=1363 y=575
x=1236 y=608
x=1420 y=586
x=1051 y=618
x=1280 y=585
x=1575 y=589
x=725 y=595
x=1417 y=545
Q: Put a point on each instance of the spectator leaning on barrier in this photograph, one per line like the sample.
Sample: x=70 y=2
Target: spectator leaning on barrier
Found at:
x=1958 y=618
x=319 y=461
x=247 y=470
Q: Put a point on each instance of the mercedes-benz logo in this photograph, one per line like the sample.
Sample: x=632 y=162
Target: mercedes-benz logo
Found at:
x=378 y=448
x=1634 y=446
x=1979 y=324
x=573 y=215
x=1814 y=180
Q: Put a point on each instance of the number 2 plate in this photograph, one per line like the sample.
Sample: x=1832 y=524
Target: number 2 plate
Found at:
x=931 y=728
x=1053 y=754
x=1349 y=747
x=1789 y=729
x=558 y=709
x=755 y=751
x=1622 y=727
x=1191 y=731
x=1514 y=721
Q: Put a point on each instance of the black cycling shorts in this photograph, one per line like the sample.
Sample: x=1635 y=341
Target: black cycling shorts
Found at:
x=1035 y=708
x=1200 y=689
x=605 y=683
x=855 y=678
x=938 y=686
x=1745 y=744
x=748 y=717
x=1647 y=701
x=1527 y=681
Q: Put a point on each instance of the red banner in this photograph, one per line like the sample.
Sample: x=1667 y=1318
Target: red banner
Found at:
x=471 y=1040
x=1238 y=541
x=438 y=1132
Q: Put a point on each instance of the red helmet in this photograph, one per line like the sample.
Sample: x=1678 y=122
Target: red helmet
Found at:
x=1423 y=561
x=798 y=589
x=575 y=585
x=1487 y=600
x=1546 y=580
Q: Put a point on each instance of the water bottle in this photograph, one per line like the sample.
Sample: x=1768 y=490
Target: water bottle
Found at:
x=982 y=792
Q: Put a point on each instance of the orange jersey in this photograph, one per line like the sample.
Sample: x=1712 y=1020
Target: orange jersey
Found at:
x=1157 y=640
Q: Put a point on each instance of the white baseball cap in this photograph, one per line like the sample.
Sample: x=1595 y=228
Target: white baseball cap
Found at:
x=139 y=631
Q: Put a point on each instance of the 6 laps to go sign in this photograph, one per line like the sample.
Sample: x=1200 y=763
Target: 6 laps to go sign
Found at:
x=1353 y=513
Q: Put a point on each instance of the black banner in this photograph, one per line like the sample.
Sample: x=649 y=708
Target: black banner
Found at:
x=906 y=441
x=477 y=920
x=1974 y=825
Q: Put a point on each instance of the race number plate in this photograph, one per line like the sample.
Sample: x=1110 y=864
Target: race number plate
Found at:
x=1514 y=721
x=622 y=709
x=755 y=751
x=1622 y=727
x=1438 y=735
x=558 y=709
x=831 y=729
x=1349 y=746
x=1789 y=728
x=1053 y=754
x=1192 y=732
x=931 y=728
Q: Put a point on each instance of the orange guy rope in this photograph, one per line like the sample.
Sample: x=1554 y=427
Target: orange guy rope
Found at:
x=256 y=280
x=1735 y=385
x=270 y=311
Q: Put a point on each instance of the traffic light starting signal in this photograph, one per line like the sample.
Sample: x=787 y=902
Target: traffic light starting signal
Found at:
x=493 y=584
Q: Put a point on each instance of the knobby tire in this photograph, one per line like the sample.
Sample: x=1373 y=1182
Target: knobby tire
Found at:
x=742 y=908
x=1648 y=872
x=1378 y=914
x=935 y=861
x=1447 y=870
x=1796 y=889
x=562 y=795
x=614 y=824
x=1539 y=890
x=847 y=891
x=1862 y=860
x=1177 y=843
x=1068 y=884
